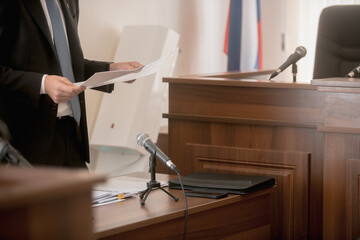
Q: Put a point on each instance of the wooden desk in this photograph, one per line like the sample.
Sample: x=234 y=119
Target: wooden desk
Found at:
x=306 y=136
x=45 y=203
x=224 y=124
x=235 y=217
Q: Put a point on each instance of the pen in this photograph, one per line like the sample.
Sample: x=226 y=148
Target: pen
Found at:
x=110 y=198
x=105 y=195
x=108 y=202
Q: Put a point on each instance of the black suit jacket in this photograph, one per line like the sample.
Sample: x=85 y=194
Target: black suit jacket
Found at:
x=26 y=53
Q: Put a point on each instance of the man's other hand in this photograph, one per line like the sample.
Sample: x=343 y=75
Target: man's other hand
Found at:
x=61 y=89
x=125 y=66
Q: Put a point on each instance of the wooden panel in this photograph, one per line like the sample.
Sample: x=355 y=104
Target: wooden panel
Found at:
x=352 y=199
x=296 y=105
x=227 y=222
x=234 y=217
x=339 y=90
x=341 y=143
x=338 y=148
x=333 y=129
x=46 y=203
x=230 y=110
x=342 y=110
x=321 y=119
x=257 y=137
x=236 y=120
x=237 y=80
x=244 y=136
x=290 y=169
x=336 y=83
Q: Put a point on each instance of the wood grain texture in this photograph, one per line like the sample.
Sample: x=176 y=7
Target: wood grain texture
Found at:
x=321 y=119
x=46 y=203
x=352 y=198
x=342 y=110
x=290 y=170
x=340 y=185
x=341 y=143
x=301 y=105
x=258 y=115
x=255 y=137
x=233 y=217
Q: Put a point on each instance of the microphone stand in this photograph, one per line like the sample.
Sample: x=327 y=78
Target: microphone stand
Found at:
x=294 y=72
x=153 y=183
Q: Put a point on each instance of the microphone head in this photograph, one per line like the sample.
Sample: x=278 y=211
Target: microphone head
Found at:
x=301 y=51
x=141 y=138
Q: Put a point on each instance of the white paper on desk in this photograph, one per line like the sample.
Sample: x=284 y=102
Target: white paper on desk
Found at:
x=118 y=76
x=125 y=184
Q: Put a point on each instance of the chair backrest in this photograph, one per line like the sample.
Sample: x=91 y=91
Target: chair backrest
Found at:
x=133 y=108
x=338 y=41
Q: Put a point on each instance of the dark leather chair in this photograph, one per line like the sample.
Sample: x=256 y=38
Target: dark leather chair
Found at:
x=338 y=41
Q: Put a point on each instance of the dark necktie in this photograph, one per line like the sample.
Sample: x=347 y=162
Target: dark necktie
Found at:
x=62 y=51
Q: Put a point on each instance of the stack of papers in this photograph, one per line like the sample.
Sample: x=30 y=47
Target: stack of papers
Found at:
x=118 y=76
x=117 y=189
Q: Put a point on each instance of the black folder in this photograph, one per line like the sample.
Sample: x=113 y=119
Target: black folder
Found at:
x=222 y=183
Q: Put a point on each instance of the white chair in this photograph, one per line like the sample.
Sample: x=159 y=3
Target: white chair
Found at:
x=133 y=108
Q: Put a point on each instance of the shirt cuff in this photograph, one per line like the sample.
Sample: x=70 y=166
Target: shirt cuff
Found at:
x=42 y=88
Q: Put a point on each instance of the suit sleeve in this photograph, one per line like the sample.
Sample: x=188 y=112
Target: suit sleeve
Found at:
x=23 y=85
x=91 y=67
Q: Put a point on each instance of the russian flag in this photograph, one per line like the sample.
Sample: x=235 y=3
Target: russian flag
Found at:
x=243 y=36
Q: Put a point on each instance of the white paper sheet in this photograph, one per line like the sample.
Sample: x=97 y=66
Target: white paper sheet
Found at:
x=125 y=184
x=118 y=76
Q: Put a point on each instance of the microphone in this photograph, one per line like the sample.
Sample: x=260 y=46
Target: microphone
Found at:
x=293 y=58
x=145 y=141
x=353 y=72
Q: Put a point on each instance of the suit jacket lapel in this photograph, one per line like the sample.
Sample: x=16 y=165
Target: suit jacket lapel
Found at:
x=36 y=10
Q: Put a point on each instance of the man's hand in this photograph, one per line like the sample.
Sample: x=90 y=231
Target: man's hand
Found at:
x=60 y=89
x=125 y=66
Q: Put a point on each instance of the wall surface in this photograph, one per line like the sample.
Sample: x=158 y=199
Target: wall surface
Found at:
x=200 y=23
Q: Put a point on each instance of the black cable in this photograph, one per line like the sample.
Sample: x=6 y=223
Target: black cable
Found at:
x=186 y=205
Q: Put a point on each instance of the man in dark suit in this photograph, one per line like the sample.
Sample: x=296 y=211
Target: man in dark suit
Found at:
x=34 y=95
